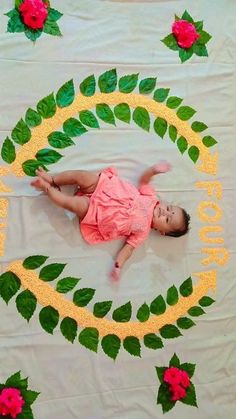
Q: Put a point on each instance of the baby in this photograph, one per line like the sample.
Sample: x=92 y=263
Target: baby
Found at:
x=110 y=208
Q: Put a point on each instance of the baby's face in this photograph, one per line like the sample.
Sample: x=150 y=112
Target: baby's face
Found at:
x=167 y=218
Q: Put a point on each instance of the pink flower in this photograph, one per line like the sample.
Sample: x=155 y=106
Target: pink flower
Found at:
x=172 y=376
x=185 y=33
x=177 y=392
x=185 y=381
x=11 y=402
x=34 y=13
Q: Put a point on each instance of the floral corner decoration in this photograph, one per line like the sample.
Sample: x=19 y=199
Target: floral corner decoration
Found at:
x=16 y=399
x=34 y=17
x=187 y=37
x=176 y=384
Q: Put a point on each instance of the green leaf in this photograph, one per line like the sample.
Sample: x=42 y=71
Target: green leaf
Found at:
x=186 y=288
x=160 y=95
x=89 y=119
x=172 y=133
x=170 y=42
x=143 y=313
x=102 y=308
x=182 y=144
x=46 y=107
x=174 y=362
x=30 y=166
x=49 y=318
x=12 y=12
x=122 y=112
x=21 y=134
x=152 y=341
x=9 y=285
x=29 y=396
x=67 y=284
x=141 y=118
x=105 y=113
x=122 y=313
x=18 y=3
x=26 y=413
x=160 y=373
x=54 y=14
x=83 y=296
x=169 y=331
x=73 y=127
x=173 y=102
x=66 y=94
x=58 y=139
x=193 y=153
x=185 y=54
x=8 y=151
x=189 y=368
x=200 y=50
x=185 y=323
x=47 y=156
x=107 y=81
x=34 y=262
x=132 y=345
x=158 y=305
x=89 y=338
x=206 y=301
x=15 y=380
x=185 y=113
x=204 y=37
x=146 y=86
x=164 y=399
x=160 y=126
x=32 y=34
x=32 y=118
x=87 y=87
x=51 y=272
x=128 y=83
x=172 y=296
x=198 y=126
x=51 y=27
x=209 y=141
x=198 y=25
x=196 y=311
x=111 y=345
x=26 y=304
x=186 y=16
x=190 y=397
x=68 y=328
x=15 y=24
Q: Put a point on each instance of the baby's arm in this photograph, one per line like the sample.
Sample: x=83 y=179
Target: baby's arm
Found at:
x=161 y=167
x=123 y=255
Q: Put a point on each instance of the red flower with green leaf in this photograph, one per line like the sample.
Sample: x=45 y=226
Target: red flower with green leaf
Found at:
x=187 y=37
x=175 y=384
x=33 y=17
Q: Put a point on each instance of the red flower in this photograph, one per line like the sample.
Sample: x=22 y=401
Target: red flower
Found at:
x=34 y=13
x=185 y=381
x=172 y=376
x=11 y=402
x=177 y=392
x=185 y=33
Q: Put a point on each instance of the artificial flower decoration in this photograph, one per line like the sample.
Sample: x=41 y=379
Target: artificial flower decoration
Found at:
x=187 y=37
x=176 y=384
x=16 y=399
x=33 y=17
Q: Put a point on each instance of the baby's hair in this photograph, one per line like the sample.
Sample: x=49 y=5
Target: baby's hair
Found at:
x=185 y=229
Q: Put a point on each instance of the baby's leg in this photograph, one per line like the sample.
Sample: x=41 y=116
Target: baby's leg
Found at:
x=86 y=180
x=76 y=204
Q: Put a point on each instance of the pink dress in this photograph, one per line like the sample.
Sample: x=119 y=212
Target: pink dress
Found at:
x=118 y=209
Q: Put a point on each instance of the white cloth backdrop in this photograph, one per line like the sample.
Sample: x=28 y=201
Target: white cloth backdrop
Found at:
x=97 y=36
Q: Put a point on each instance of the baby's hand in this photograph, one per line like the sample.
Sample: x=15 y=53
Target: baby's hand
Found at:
x=162 y=167
x=115 y=274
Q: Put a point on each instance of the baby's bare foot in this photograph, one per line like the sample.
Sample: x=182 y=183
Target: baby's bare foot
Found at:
x=44 y=175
